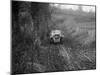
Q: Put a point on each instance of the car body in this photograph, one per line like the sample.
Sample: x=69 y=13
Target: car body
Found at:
x=56 y=36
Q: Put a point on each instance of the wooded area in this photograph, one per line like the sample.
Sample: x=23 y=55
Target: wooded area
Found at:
x=31 y=50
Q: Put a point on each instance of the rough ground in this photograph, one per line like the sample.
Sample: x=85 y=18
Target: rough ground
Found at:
x=31 y=54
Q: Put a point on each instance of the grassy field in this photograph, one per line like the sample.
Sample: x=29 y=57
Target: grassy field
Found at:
x=30 y=54
x=79 y=26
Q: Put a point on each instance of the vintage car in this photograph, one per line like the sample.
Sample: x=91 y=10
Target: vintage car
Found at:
x=56 y=36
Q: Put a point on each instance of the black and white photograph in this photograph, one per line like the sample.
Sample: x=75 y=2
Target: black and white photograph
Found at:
x=51 y=37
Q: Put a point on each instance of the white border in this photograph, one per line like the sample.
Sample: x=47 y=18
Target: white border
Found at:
x=5 y=37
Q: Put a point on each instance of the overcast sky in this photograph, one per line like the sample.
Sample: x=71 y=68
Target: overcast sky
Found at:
x=76 y=7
